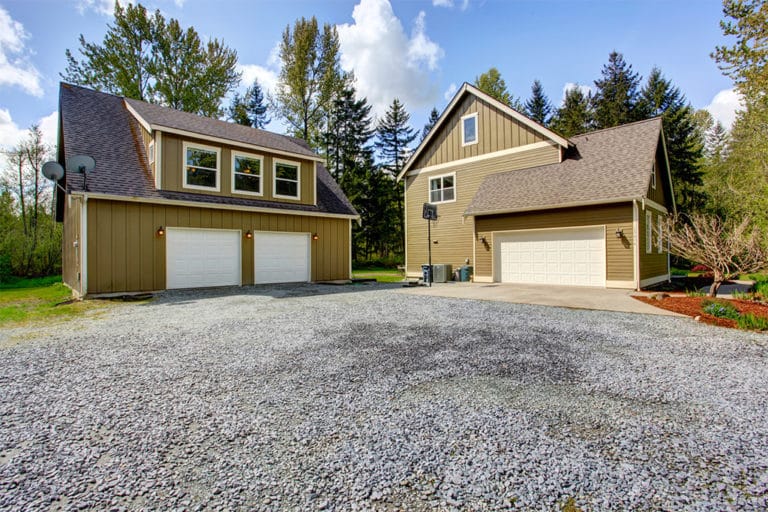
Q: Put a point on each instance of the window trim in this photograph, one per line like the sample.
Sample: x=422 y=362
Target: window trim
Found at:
x=660 y=234
x=194 y=145
x=440 y=177
x=648 y=232
x=251 y=156
x=294 y=163
x=463 y=135
x=151 y=152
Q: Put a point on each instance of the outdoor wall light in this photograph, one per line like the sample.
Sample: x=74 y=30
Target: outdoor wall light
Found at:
x=160 y=231
x=619 y=233
x=248 y=234
x=315 y=237
x=483 y=240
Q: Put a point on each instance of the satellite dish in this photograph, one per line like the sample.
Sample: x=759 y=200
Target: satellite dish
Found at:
x=81 y=164
x=53 y=171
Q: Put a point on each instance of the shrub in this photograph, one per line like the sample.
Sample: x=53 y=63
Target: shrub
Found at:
x=752 y=322
x=694 y=293
x=700 y=268
x=720 y=309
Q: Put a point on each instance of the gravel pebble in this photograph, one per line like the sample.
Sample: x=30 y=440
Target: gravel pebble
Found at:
x=363 y=397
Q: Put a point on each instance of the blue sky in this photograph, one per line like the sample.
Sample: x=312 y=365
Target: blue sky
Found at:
x=417 y=50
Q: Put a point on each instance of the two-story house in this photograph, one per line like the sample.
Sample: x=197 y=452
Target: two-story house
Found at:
x=177 y=200
x=521 y=204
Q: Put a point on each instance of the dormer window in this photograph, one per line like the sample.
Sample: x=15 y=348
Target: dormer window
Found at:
x=469 y=129
x=653 y=177
x=201 y=167
x=287 y=179
x=247 y=173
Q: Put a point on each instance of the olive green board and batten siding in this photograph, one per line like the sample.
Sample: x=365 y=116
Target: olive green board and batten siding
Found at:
x=496 y=131
x=172 y=171
x=453 y=231
x=125 y=254
x=619 y=258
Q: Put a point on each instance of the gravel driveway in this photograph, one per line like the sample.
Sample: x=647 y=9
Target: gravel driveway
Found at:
x=344 y=398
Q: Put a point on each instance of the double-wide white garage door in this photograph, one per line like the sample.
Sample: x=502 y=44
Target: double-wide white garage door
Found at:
x=198 y=258
x=561 y=256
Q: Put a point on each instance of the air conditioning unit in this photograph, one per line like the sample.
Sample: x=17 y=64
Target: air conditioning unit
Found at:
x=441 y=273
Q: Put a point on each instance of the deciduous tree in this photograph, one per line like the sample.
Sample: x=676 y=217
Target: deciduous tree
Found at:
x=494 y=85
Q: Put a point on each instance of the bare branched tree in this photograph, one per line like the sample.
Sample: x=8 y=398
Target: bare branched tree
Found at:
x=727 y=247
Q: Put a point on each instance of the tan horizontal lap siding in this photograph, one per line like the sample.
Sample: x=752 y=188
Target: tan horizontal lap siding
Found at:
x=619 y=261
x=70 y=254
x=126 y=255
x=173 y=171
x=495 y=130
x=452 y=231
x=653 y=264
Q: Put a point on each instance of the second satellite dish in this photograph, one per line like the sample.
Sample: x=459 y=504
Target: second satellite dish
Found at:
x=81 y=163
x=53 y=171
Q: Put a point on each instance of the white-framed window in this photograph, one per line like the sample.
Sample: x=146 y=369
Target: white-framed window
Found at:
x=653 y=177
x=469 y=129
x=660 y=234
x=151 y=152
x=286 y=179
x=648 y=232
x=442 y=189
x=202 y=166
x=247 y=173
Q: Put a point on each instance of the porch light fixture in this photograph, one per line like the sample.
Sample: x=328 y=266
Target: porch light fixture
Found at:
x=482 y=239
x=160 y=231
x=248 y=234
x=619 y=233
x=315 y=237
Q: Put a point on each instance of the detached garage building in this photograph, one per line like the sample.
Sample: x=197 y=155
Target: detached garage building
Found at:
x=524 y=205
x=178 y=200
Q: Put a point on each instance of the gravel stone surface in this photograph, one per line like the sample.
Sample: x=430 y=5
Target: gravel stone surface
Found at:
x=367 y=398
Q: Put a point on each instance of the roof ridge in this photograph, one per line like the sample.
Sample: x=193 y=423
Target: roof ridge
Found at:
x=656 y=118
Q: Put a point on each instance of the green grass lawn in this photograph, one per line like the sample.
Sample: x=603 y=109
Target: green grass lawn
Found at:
x=382 y=275
x=39 y=300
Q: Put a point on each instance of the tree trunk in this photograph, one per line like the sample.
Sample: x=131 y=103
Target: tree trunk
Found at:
x=717 y=280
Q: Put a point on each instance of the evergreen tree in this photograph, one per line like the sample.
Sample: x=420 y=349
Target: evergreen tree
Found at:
x=145 y=57
x=394 y=136
x=659 y=97
x=538 y=107
x=716 y=142
x=249 y=109
x=616 y=94
x=310 y=78
x=494 y=85
x=434 y=115
x=575 y=116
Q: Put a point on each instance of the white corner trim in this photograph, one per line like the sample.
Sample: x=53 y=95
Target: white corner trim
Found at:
x=292 y=163
x=185 y=145
x=405 y=225
x=84 y=246
x=480 y=158
x=482 y=279
x=464 y=142
x=654 y=280
x=350 y=248
x=440 y=177
x=314 y=185
x=636 y=244
x=158 y=160
x=250 y=156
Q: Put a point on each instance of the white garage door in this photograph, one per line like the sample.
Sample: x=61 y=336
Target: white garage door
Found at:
x=562 y=256
x=281 y=257
x=196 y=258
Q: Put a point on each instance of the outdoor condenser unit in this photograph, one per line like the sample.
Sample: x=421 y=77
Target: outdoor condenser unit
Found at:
x=441 y=273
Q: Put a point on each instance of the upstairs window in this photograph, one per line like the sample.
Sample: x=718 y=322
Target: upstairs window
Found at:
x=653 y=177
x=442 y=189
x=469 y=129
x=247 y=174
x=201 y=167
x=287 y=179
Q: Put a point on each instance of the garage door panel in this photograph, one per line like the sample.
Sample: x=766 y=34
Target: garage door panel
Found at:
x=198 y=258
x=565 y=257
x=281 y=257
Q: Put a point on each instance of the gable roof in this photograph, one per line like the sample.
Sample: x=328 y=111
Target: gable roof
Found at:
x=156 y=117
x=100 y=125
x=605 y=166
x=470 y=89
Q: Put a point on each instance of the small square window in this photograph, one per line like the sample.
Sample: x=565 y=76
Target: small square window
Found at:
x=442 y=189
x=469 y=129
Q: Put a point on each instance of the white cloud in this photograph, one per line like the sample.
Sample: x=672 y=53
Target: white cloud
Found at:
x=585 y=89
x=15 y=68
x=448 y=94
x=11 y=134
x=103 y=7
x=724 y=106
x=267 y=77
x=387 y=63
x=450 y=4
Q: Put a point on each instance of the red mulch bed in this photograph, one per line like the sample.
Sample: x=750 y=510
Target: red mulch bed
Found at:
x=691 y=306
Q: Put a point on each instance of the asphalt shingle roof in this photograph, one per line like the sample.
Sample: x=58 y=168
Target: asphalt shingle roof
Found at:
x=609 y=164
x=100 y=125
